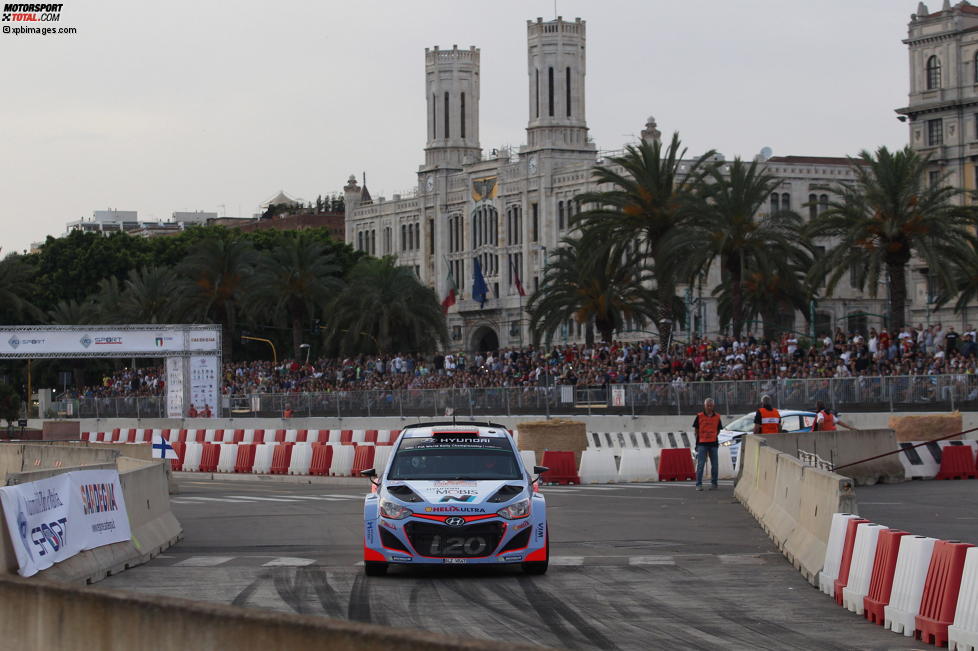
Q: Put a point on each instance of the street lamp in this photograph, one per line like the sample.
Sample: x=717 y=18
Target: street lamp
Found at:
x=306 y=346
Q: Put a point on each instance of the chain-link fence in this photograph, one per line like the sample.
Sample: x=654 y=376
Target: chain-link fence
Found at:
x=880 y=393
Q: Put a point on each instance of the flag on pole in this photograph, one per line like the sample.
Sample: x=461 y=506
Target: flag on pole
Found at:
x=516 y=279
x=452 y=290
x=162 y=448
x=479 y=288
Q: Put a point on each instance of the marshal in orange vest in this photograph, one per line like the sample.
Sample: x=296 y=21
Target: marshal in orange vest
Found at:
x=770 y=420
x=708 y=427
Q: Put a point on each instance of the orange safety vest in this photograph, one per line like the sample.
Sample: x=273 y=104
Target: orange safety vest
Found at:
x=828 y=421
x=770 y=420
x=708 y=426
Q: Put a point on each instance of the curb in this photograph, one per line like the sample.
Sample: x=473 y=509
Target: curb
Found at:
x=275 y=479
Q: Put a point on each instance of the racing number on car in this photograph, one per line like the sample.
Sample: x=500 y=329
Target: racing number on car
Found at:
x=455 y=545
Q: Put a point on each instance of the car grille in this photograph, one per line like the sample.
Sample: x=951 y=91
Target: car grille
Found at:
x=442 y=541
x=390 y=541
x=519 y=541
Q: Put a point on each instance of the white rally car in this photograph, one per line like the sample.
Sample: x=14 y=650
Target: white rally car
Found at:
x=455 y=493
x=792 y=420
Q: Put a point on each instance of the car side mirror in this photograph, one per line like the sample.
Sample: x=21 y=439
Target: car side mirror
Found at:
x=538 y=470
x=370 y=473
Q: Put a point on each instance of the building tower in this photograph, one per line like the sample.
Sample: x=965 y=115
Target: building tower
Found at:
x=556 y=63
x=452 y=96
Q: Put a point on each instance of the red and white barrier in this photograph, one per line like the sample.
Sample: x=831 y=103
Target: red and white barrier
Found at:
x=191 y=458
x=301 y=459
x=263 y=458
x=963 y=634
x=291 y=435
x=598 y=467
x=382 y=454
x=861 y=568
x=342 y=463
x=638 y=465
x=833 y=552
x=228 y=457
x=908 y=584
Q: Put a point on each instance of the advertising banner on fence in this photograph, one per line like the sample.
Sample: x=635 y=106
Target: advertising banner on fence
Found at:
x=108 y=341
x=52 y=519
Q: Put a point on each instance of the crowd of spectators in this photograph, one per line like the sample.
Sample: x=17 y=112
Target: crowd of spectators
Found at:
x=922 y=350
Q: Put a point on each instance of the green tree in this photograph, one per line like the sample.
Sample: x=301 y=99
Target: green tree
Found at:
x=597 y=283
x=107 y=302
x=385 y=308
x=9 y=404
x=294 y=281
x=153 y=295
x=889 y=214
x=729 y=225
x=218 y=269
x=650 y=189
x=17 y=289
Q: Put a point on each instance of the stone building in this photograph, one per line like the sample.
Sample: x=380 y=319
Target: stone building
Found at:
x=508 y=208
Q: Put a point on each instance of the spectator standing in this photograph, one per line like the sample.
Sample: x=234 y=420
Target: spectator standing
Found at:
x=951 y=340
x=707 y=427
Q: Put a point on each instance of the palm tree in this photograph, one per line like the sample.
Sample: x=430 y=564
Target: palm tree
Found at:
x=596 y=282
x=965 y=278
x=888 y=215
x=108 y=302
x=16 y=286
x=153 y=295
x=385 y=308
x=295 y=280
x=651 y=187
x=72 y=312
x=218 y=269
x=727 y=225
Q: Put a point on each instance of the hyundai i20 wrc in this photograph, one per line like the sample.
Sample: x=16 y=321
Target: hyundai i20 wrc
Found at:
x=455 y=493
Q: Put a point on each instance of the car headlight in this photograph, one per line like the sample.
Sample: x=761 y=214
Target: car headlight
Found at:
x=516 y=510
x=393 y=511
x=728 y=442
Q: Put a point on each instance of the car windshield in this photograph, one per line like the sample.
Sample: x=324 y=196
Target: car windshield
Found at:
x=454 y=458
x=742 y=424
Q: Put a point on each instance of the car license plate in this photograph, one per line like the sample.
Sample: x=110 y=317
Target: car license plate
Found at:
x=456 y=560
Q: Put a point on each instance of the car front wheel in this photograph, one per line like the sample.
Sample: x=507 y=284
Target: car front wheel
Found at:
x=374 y=568
x=537 y=568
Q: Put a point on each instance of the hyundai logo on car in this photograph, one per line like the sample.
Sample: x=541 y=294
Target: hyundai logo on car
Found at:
x=455 y=521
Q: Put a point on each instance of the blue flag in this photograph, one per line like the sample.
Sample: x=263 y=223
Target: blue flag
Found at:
x=479 y=289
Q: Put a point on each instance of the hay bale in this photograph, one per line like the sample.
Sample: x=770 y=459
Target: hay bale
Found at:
x=925 y=427
x=553 y=434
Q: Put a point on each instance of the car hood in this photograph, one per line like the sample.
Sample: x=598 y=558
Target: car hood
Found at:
x=456 y=496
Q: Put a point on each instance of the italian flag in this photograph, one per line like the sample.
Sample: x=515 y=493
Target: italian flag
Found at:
x=452 y=292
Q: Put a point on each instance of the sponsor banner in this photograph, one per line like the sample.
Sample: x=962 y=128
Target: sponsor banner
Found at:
x=617 y=396
x=174 y=387
x=204 y=378
x=52 y=519
x=95 y=341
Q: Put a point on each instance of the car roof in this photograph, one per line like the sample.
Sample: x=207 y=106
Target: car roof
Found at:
x=427 y=430
x=785 y=412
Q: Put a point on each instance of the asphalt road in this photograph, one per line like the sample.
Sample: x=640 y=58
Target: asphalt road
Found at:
x=637 y=567
x=947 y=509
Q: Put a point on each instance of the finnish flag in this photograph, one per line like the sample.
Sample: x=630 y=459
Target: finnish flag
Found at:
x=162 y=448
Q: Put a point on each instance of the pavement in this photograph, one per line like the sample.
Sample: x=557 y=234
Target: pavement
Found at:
x=648 y=566
x=943 y=509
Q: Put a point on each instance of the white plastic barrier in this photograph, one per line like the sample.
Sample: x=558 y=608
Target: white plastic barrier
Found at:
x=598 y=467
x=359 y=435
x=301 y=459
x=291 y=435
x=964 y=631
x=227 y=458
x=638 y=465
x=833 y=552
x=861 y=567
x=725 y=456
x=908 y=584
x=381 y=454
x=383 y=436
x=334 y=436
x=249 y=436
x=210 y=435
x=89 y=436
x=342 y=464
x=264 y=453
x=191 y=457
x=529 y=458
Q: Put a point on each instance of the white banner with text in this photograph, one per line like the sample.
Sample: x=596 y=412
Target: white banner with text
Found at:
x=53 y=519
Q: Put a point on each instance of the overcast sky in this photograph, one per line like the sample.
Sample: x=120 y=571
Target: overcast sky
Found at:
x=179 y=105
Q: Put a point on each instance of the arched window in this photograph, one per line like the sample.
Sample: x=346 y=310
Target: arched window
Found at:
x=775 y=207
x=538 y=91
x=812 y=206
x=568 y=91
x=785 y=201
x=823 y=203
x=974 y=63
x=447 y=134
x=560 y=215
x=434 y=117
x=461 y=114
x=933 y=72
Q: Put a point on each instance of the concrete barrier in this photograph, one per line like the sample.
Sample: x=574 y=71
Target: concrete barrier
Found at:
x=796 y=511
x=841 y=447
x=41 y=615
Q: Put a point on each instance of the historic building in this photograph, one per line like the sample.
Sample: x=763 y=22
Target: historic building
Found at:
x=507 y=209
